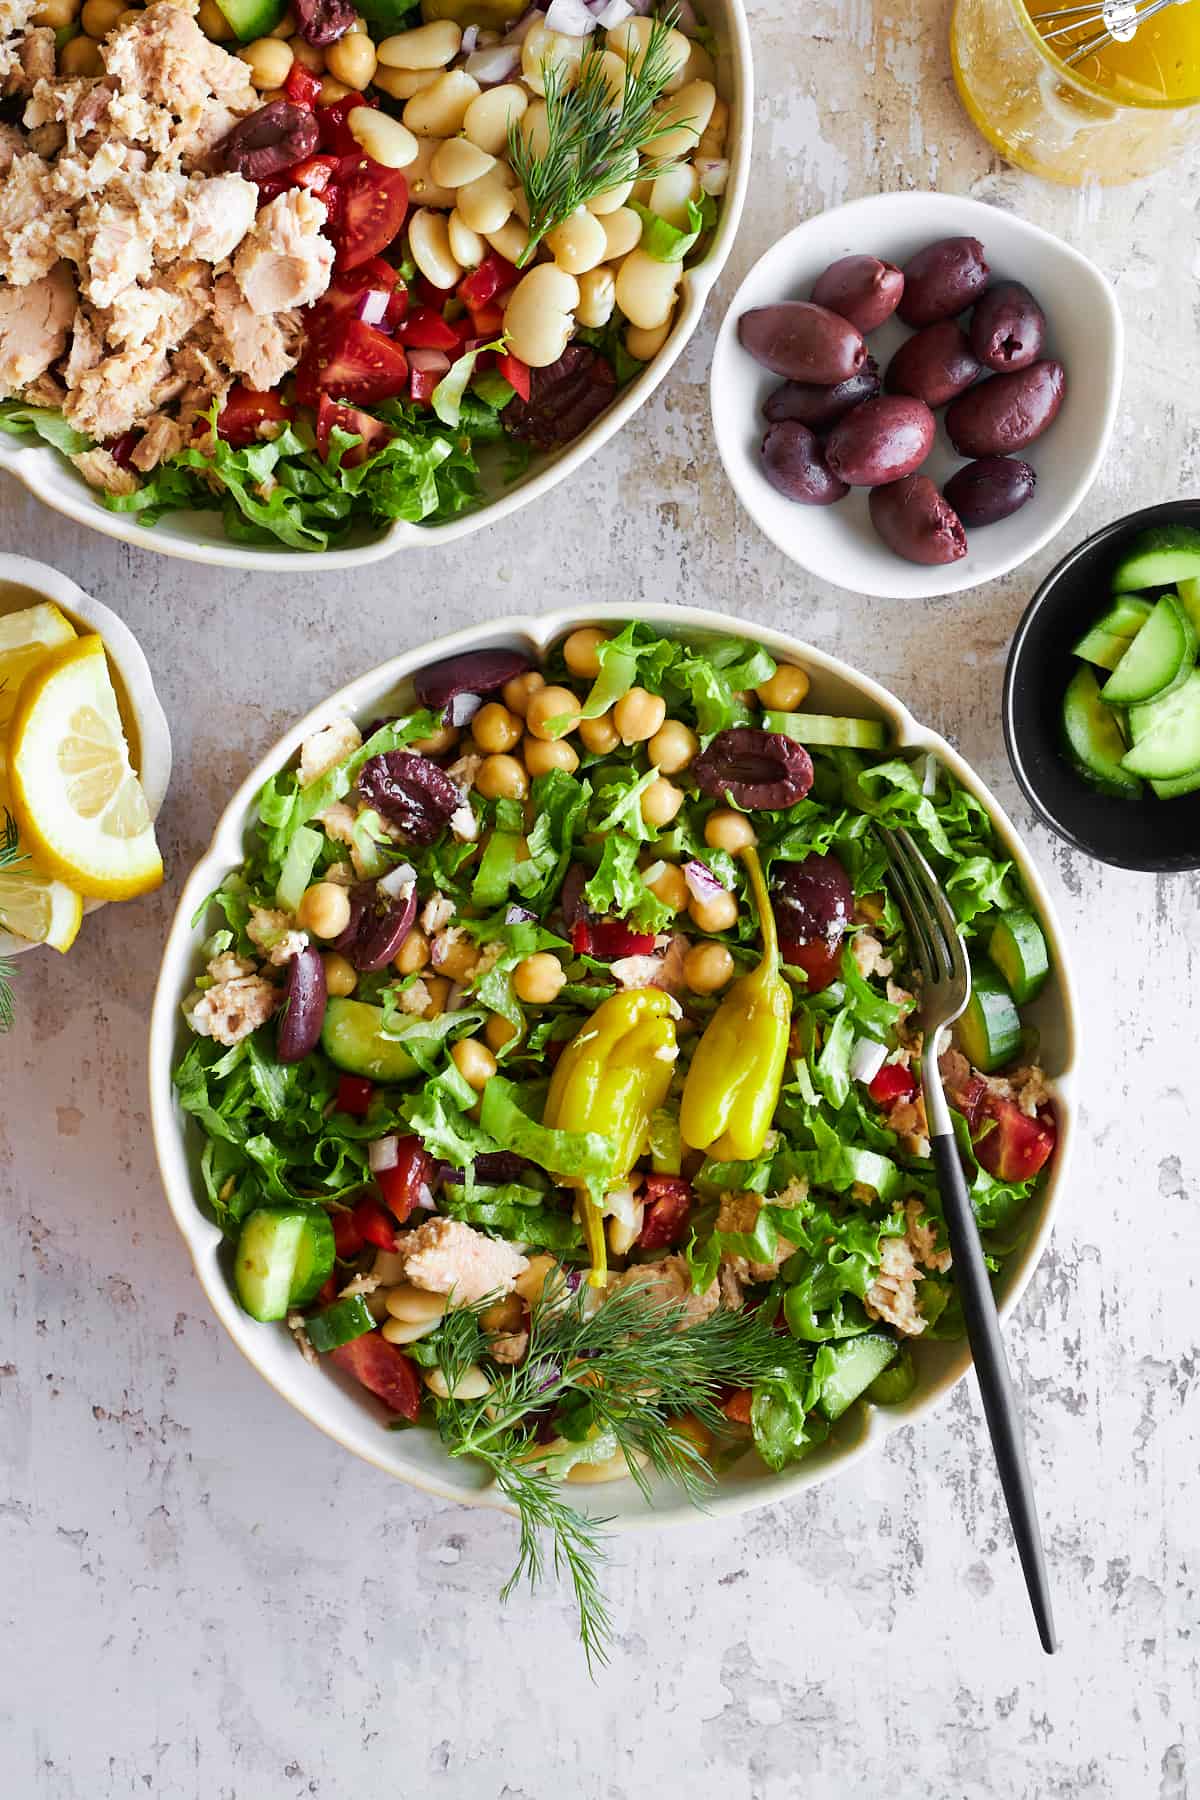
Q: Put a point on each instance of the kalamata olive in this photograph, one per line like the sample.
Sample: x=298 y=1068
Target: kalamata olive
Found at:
x=383 y=927
x=762 y=770
x=1007 y=412
x=322 y=22
x=411 y=791
x=570 y=895
x=913 y=520
x=861 y=289
x=941 y=280
x=303 y=1011
x=983 y=492
x=474 y=672
x=934 y=365
x=1008 y=327
x=812 y=902
x=794 y=464
x=803 y=341
x=821 y=407
x=271 y=139
x=881 y=440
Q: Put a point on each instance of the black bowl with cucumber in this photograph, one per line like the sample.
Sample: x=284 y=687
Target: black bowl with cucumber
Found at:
x=1102 y=693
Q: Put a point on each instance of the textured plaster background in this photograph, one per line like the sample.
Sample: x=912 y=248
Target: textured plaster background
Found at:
x=203 y=1599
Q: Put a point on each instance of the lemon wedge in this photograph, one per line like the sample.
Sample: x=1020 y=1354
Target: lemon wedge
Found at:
x=25 y=639
x=78 y=803
x=33 y=905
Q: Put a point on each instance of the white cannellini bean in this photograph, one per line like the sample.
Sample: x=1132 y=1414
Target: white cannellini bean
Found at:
x=428 y=47
x=423 y=190
x=689 y=111
x=407 y=1331
x=429 y=242
x=671 y=192
x=578 y=243
x=534 y=130
x=613 y=69
x=698 y=67
x=631 y=38
x=645 y=289
x=511 y=240
x=613 y=1468
x=487 y=118
x=466 y=246
x=597 y=297
x=622 y=233
x=611 y=198
x=485 y=205
x=457 y=161
x=439 y=110
x=384 y=139
x=402 y=84
x=472 y=1384
x=414 y=1305
x=550 y=47
x=644 y=345
x=539 y=315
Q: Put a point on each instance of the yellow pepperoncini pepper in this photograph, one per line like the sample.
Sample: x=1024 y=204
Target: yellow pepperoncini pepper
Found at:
x=732 y=1087
x=612 y=1076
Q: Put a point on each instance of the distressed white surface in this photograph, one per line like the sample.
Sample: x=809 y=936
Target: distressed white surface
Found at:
x=202 y=1599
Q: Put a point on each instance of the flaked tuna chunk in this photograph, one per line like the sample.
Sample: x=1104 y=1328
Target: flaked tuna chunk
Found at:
x=31 y=61
x=284 y=261
x=100 y=470
x=87 y=346
x=447 y=1257
x=12 y=143
x=221 y=211
x=34 y=322
x=141 y=315
x=33 y=221
x=261 y=348
x=116 y=395
x=164 y=438
x=163 y=55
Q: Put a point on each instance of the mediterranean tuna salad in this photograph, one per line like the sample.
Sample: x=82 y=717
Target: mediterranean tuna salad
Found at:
x=554 y=1062
x=314 y=279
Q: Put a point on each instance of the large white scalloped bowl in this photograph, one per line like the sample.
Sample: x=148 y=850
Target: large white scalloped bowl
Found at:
x=200 y=536
x=340 y=1407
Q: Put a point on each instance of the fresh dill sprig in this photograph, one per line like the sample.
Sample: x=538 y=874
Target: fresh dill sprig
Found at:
x=622 y=1371
x=591 y=144
x=10 y=854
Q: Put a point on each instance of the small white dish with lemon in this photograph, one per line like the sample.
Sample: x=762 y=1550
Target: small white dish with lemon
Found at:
x=85 y=758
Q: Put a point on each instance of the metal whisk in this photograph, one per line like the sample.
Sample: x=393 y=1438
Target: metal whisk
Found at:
x=1120 y=19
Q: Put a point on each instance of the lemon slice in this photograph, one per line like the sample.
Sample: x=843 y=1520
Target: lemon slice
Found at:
x=25 y=639
x=33 y=905
x=78 y=803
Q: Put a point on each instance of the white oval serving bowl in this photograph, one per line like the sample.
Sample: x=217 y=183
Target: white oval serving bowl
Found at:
x=199 y=536
x=1084 y=331
x=38 y=581
x=339 y=1406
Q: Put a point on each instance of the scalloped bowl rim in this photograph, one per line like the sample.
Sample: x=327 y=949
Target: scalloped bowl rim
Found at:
x=339 y=1410
x=42 y=470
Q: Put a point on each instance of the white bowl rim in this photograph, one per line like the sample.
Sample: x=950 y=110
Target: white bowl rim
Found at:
x=203 y=1238
x=967 y=209
x=154 y=734
x=38 y=467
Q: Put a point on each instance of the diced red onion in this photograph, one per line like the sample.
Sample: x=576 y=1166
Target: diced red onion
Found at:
x=714 y=174
x=519 y=915
x=611 y=12
x=384 y=1153
x=462 y=709
x=430 y=362
x=497 y=63
x=866 y=1060
x=371 y=307
x=470 y=38
x=571 y=18
x=425 y=1199
x=398 y=881
x=545 y=1373
x=702 y=883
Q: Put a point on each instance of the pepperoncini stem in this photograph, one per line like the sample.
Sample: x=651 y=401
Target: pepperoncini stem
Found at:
x=592 y=1220
x=766 y=912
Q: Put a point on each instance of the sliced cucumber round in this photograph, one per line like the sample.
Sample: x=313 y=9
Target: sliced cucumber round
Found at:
x=990 y=1028
x=340 y=1323
x=1159 y=657
x=1166 y=734
x=1157 y=557
x=825 y=728
x=352 y=1040
x=1018 y=948
x=1093 y=736
x=279 y=1252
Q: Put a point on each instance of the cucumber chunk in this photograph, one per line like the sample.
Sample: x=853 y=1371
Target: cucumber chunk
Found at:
x=340 y=1323
x=1017 y=946
x=1104 y=649
x=1159 y=657
x=253 y=19
x=857 y=1362
x=1175 y=790
x=1189 y=598
x=1158 y=557
x=352 y=1040
x=897 y=1382
x=990 y=1028
x=1111 y=635
x=1166 y=734
x=278 y=1251
x=824 y=728
x=1093 y=736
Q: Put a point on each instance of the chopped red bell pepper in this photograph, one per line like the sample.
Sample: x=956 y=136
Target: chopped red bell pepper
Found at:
x=495 y=275
x=354 y=1095
x=374 y=1225
x=421 y=385
x=336 y=135
x=384 y=1369
x=302 y=87
x=608 y=939
x=347 y=1238
x=515 y=372
x=668 y=1204
x=893 y=1082
x=425 y=329
x=401 y=1185
x=486 y=321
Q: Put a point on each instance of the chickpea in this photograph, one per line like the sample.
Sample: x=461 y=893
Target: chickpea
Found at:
x=413 y=953
x=785 y=690
x=458 y=960
x=531 y=1281
x=581 y=651
x=352 y=60
x=268 y=60
x=717 y=914
x=541 y=756
x=503 y=1315
x=495 y=728
x=341 y=977
x=498 y=1031
x=660 y=802
x=308 y=55
x=552 y=704
x=707 y=967
x=670 y=886
x=286 y=27
x=538 y=979
x=213 y=23
x=438 y=989
x=518 y=692
x=331 y=91
x=599 y=735
x=502 y=778
x=438 y=743
x=475 y=1062
x=324 y=909
x=57 y=14
x=638 y=715
x=673 y=747
x=728 y=830
x=81 y=56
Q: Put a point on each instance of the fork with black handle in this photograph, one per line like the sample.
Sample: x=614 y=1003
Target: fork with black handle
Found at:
x=941 y=956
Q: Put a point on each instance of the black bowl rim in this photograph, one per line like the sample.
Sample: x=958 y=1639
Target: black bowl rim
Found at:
x=1162 y=513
